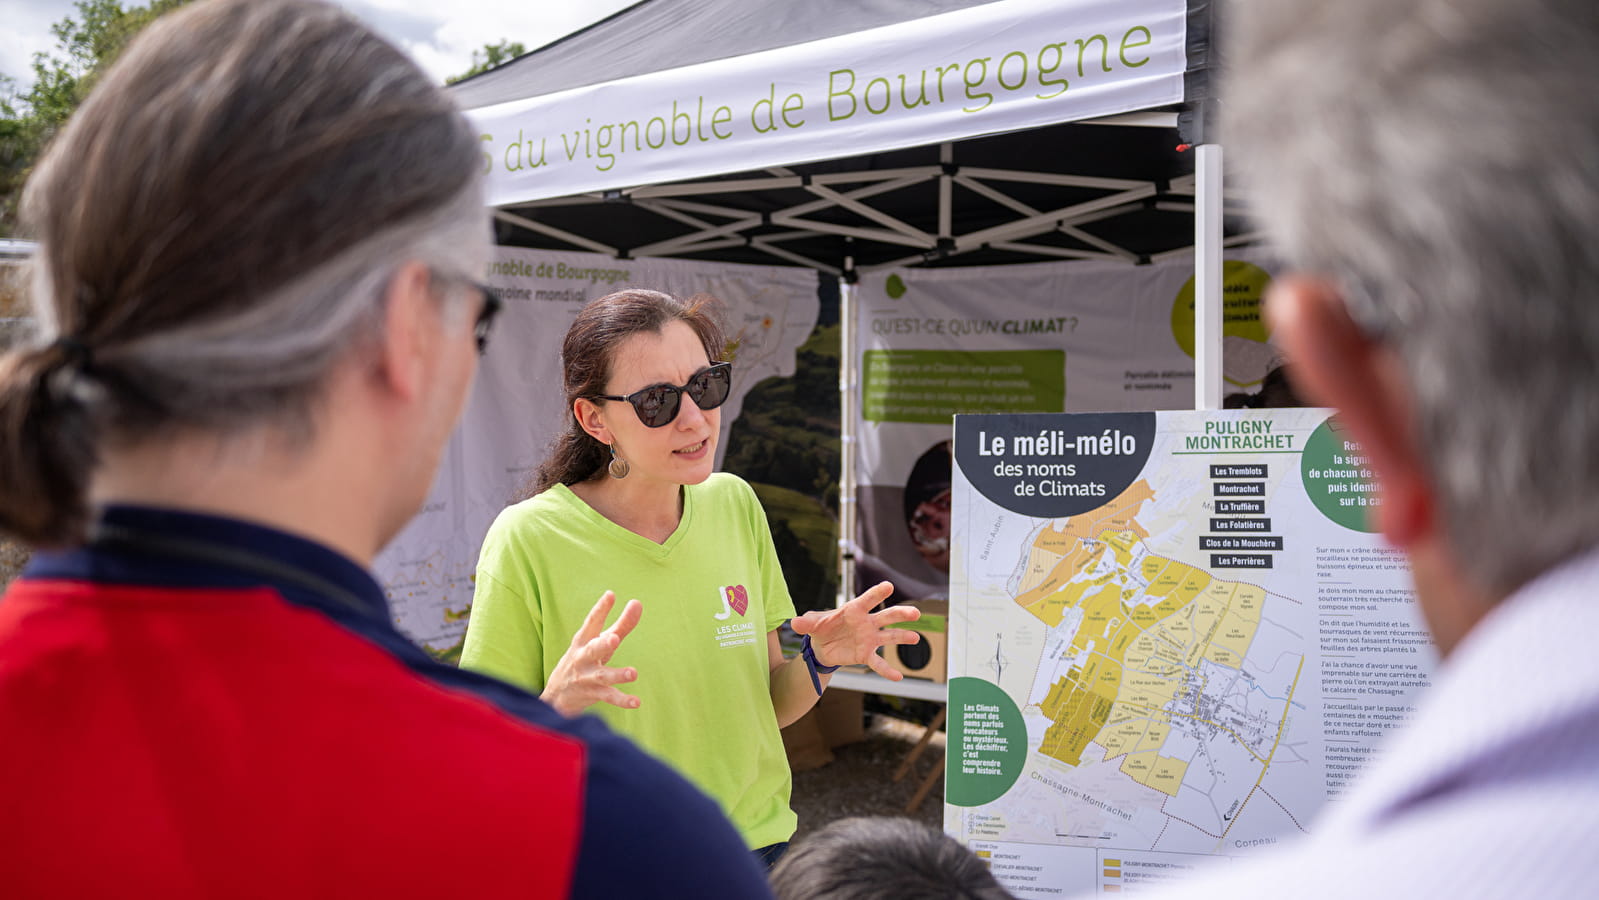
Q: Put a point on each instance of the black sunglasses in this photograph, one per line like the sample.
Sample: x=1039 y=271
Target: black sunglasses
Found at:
x=657 y=404
x=485 y=316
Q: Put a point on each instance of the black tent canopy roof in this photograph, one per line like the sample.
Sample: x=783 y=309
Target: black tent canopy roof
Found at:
x=655 y=35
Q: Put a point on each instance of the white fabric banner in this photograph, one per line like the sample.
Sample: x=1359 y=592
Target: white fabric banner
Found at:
x=998 y=67
x=1048 y=337
x=517 y=408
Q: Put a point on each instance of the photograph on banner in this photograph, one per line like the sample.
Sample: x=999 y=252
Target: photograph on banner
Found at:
x=785 y=443
x=1088 y=336
x=517 y=406
x=1174 y=637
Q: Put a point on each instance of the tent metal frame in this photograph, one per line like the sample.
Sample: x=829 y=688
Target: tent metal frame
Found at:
x=710 y=226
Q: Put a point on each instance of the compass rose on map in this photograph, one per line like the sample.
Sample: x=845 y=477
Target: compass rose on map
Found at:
x=999 y=660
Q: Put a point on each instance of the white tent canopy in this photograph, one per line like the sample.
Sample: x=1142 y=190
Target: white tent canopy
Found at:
x=850 y=135
x=847 y=135
x=1001 y=67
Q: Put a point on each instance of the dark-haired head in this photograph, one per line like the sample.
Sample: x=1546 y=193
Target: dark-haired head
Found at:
x=217 y=225
x=588 y=355
x=868 y=858
x=1276 y=392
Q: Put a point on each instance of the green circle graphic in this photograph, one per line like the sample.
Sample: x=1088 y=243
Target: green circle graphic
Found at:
x=987 y=743
x=1243 y=288
x=894 y=287
x=1338 y=478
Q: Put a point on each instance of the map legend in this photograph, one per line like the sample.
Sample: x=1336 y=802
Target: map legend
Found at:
x=1038 y=871
x=1130 y=874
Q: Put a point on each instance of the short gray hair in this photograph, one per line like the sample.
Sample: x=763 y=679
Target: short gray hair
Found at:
x=1436 y=158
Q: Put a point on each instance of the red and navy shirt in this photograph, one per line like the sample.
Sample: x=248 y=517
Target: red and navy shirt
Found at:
x=205 y=726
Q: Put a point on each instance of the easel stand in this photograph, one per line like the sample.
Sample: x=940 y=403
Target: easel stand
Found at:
x=933 y=774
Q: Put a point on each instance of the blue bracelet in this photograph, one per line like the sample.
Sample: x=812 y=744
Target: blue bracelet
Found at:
x=816 y=668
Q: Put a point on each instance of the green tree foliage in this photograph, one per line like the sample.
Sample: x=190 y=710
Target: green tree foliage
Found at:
x=19 y=145
x=85 y=45
x=13 y=139
x=492 y=56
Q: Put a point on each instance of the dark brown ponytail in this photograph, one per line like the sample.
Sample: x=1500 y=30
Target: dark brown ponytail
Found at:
x=48 y=432
x=587 y=354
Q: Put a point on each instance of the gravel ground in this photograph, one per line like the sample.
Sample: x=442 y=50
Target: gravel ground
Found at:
x=860 y=779
x=12 y=558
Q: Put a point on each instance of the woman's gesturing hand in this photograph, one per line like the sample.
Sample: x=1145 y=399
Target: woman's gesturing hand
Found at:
x=851 y=634
x=582 y=678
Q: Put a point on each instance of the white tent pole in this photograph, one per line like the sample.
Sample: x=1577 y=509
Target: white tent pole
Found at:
x=1116 y=250
x=1058 y=252
x=669 y=212
x=1011 y=203
x=998 y=196
x=704 y=209
x=875 y=175
x=1050 y=225
x=864 y=211
x=1178 y=206
x=868 y=212
x=1208 y=203
x=708 y=246
x=1082 y=181
x=881 y=235
x=1235 y=240
x=661 y=248
x=1049 y=221
x=551 y=231
x=761 y=245
x=846 y=443
x=1136 y=119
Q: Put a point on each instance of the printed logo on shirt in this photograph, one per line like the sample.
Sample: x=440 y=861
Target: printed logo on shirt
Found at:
x=735 y=599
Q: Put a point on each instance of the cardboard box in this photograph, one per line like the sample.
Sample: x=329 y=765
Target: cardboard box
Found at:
x=841 y=717
x=928 y=659
x=804 y=744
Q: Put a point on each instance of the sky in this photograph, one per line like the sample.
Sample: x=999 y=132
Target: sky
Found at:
x=439 y=34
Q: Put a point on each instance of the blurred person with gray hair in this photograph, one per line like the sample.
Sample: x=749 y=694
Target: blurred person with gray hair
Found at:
x=871 y=857
x=1428 y=169
x=259 y=322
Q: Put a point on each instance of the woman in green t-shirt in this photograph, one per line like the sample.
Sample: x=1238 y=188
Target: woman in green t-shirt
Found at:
x=627 y=504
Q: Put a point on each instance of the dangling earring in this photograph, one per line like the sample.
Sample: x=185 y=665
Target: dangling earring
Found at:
x=618 y=467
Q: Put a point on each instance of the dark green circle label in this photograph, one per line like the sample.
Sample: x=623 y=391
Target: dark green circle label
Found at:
x=987 y=742
x=1338 y=478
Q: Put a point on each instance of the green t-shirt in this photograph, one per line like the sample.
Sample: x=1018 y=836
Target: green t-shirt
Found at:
x=710 y=593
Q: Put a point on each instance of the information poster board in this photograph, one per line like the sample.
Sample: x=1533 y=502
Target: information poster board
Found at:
x=1084 y=336
x=1174 y=637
